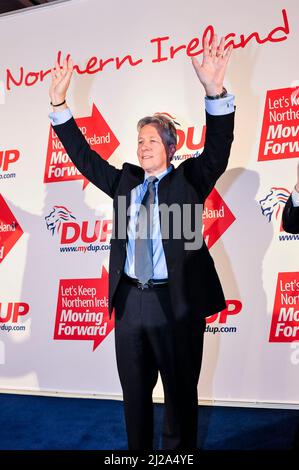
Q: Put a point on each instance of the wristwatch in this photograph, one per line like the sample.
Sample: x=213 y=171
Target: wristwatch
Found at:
x=216 y=97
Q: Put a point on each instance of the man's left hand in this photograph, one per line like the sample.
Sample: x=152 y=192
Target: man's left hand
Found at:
x=212 y=70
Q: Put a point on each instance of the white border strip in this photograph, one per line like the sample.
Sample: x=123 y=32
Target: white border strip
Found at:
x=101 y=396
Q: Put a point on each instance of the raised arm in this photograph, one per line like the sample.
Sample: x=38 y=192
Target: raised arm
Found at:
x=206 y=169
x=89 y=163
x=211 y=71
x=61 y=78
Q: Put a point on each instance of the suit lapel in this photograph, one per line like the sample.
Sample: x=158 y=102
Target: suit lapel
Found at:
x=134 y=177
x=164 y=186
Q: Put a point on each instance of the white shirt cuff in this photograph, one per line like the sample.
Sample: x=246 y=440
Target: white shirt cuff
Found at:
x=220 y=106
x=215 y=107
x=60 y=117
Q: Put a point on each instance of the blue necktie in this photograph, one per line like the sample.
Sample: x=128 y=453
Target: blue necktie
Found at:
x=143 y=240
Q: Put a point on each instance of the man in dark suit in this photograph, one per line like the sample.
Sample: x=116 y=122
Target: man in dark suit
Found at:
x=290 y=215
x=162 y=281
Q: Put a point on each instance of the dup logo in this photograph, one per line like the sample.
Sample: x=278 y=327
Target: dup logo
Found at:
x=8 y=158
x=57 y=216
x=273 y=203
x=62 y=223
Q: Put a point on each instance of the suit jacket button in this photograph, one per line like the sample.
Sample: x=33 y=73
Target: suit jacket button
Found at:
x=118 y=271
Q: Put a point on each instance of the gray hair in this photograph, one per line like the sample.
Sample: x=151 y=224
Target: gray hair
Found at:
x=165 y=127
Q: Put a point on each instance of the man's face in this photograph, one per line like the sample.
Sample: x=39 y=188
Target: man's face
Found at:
x=151 y=152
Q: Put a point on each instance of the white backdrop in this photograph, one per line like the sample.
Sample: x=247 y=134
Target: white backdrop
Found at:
x=54 y=333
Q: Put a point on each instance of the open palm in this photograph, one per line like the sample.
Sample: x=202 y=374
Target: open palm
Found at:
x=212 y=70
x=61 y=77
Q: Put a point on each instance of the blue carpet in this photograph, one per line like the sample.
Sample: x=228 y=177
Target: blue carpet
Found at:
x=53 y=423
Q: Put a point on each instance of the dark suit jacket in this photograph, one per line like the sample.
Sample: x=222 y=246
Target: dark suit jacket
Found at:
x=193 y=281
x=290 y=217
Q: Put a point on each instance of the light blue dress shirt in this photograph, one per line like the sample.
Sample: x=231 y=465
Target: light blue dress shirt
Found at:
x=215 y=107
x=159 y=262
x=295 y=198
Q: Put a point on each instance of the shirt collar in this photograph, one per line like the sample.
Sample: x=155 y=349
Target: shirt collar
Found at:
x=160 y=175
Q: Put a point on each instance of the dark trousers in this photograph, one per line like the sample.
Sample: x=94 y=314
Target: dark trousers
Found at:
x=148 y=339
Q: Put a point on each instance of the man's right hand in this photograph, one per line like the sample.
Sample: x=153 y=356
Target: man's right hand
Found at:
x=61 y=77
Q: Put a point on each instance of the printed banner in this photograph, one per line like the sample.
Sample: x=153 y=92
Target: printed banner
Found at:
x=56 y=226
